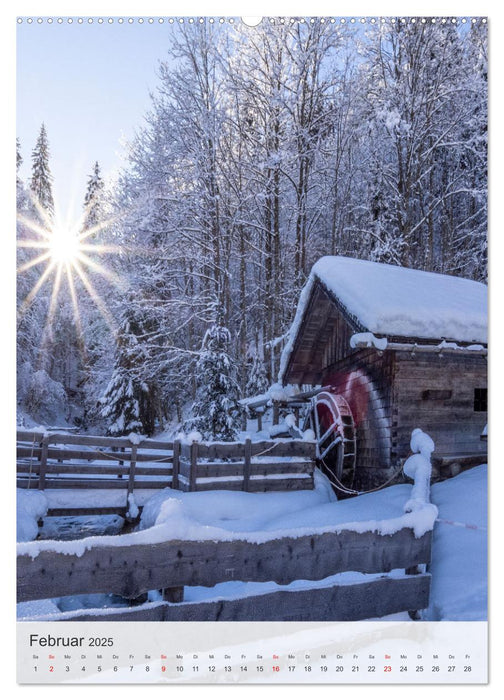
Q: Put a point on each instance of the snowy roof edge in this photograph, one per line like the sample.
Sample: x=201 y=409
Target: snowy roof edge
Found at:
x=317 y=276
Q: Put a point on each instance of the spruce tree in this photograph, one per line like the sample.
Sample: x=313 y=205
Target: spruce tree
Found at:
x=41 y=181
x=121 y=402
x=20 y=188
x=93 y=200
x=19 y=162
x=216 y=410
x=257 y=379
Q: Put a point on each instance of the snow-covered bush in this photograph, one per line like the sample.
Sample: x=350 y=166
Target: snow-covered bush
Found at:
x=45 y=400
x=31 y=505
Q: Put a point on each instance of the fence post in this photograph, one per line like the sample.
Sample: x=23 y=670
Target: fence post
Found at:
x=246 y=464
x=194 y=466
x=176 y=464
x=173 y=595
x=411 y=571
x=131 y=479
x=43 y=462
x=276 y=413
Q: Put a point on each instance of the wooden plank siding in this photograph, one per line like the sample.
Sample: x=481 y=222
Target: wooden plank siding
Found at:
x=451 y=421
x=391 y=392
x=406 y=392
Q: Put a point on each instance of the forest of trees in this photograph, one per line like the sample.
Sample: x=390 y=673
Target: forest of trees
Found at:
x=262 y=151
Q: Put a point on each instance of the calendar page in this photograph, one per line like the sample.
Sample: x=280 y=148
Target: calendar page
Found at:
x=251 y=349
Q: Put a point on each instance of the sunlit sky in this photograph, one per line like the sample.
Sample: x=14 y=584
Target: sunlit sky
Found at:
x=90 y=85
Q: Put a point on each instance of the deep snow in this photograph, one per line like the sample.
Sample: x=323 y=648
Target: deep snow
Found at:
x=459 y=554
x=459 y=551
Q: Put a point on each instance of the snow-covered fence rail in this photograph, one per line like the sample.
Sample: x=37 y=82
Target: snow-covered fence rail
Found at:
x=64 y=461
x=129 y=569
x=249 y=466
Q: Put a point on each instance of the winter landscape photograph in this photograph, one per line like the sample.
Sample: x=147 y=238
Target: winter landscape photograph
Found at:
x=251 y=319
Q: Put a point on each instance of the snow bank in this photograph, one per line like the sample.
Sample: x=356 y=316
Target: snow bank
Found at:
x=228 y=511
x=96 y=498
x=257 y=517
x=392 y=300
x=37 y=609
x=31 y=505
x=459 y=554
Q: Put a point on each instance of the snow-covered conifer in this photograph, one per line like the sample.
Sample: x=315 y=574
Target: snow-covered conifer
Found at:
x=19 y=161
x=216 y=410
x=41 y=181
x=93 y=200
x=124 y=393
x=257 y=379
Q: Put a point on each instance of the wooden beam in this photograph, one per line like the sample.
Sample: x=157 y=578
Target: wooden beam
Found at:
x=130 y=570
x=193 y=451
x=358 y=601
x=131 y=476
x=43 y=464
x=246 y=464
x=176 y=464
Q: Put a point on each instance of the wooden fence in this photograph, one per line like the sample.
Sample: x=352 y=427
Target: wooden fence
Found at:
x=249 y=466
x=131 y=570
x=64 y=461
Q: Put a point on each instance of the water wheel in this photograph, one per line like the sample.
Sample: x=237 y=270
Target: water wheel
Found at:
x=334 y=427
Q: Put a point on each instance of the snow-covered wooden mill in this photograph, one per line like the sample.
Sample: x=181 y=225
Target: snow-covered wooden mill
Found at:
x=395 y=349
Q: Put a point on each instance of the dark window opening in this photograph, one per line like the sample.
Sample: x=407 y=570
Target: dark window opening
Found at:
x=480 y=399
x=436 y=394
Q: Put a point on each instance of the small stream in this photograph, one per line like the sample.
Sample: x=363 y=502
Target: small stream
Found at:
x=76 y=527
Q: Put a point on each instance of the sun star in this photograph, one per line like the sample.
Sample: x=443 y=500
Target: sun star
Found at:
x=64 y=245
x=66 y=249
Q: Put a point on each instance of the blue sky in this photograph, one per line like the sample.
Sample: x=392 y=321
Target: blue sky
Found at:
x=90 y=84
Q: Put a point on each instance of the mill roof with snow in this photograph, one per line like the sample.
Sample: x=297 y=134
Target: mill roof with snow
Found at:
x=386 y=301
x=404 y=347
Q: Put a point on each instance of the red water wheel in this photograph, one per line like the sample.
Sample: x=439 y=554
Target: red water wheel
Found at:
x=334 y=427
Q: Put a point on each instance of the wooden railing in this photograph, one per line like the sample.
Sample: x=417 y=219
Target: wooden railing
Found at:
x=130 y=570
x=248 y=466
x=64 y=461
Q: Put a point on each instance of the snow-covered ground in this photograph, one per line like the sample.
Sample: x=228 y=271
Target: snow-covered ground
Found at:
x=459 y=551
x=459 y=584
